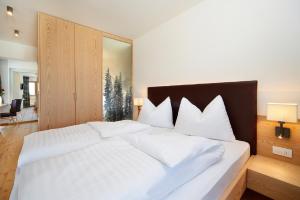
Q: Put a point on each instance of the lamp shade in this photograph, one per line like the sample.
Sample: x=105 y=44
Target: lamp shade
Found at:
x=138 y=101
x=284 y=112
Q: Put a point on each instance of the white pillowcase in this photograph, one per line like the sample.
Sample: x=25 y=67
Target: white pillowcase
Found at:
x=160 y=116
x=172 y=148
x=212 y=123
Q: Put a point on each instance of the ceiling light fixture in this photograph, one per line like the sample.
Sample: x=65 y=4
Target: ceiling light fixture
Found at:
x=9 y=10
x=16 y=33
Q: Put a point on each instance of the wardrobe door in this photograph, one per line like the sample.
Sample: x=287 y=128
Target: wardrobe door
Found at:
x=56 y=72
x=88 y=64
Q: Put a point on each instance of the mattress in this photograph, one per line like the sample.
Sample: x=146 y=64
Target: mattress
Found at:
x=212 y=183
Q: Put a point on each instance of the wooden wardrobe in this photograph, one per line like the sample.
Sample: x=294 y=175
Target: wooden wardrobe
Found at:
x=70 y=76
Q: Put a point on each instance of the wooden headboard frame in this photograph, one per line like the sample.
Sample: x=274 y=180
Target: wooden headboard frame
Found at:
x=240 y=99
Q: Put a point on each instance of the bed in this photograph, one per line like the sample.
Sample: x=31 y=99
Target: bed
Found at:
x=221 y=177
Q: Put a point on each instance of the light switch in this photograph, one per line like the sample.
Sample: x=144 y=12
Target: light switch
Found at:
x=282 y=151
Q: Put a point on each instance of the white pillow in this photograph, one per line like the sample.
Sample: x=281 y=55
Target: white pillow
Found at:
x=212 y=123
x=160 y=116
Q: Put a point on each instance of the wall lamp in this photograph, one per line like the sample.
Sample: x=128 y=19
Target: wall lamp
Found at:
x=16 y=33
x=9 y=10
x=282 y=112
x=139 y=103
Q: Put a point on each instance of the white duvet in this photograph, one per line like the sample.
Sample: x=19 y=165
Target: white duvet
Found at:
x=113 y=169
x=44 y=144
x=119 y=128
x=171 y=148
x=54 y=142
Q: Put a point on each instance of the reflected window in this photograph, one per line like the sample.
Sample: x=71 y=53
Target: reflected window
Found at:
x=32 y=88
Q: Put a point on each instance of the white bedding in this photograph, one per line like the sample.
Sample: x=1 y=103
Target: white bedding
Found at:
x=172 y=148
x=108 y=170
x=113 y=169
x=54 y=142
x=116 y=170
x=217 y=177
x=119 y=128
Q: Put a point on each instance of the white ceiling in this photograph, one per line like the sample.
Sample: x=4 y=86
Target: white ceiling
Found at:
x=128 y=18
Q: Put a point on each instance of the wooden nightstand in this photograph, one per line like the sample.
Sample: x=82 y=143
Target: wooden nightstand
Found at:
x=274 y=178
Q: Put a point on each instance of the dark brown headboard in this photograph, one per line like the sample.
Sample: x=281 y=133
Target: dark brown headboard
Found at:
x=240 y=99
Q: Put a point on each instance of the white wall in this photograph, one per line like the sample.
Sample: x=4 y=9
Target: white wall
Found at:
x=12 y=50
x=117 y=56
x=229 y=40
x=16 y=92
x=4 y=73
x=23 y=65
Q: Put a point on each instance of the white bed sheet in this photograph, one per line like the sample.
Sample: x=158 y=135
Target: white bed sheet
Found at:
x=211 y=184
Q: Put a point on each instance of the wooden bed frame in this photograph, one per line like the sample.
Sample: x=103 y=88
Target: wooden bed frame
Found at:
x=240 y=99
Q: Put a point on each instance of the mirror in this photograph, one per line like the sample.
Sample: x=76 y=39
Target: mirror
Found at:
x=18 y=91
x=117 y=80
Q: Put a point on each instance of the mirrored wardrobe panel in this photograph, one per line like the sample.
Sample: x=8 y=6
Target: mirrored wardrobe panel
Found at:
x=117 y=80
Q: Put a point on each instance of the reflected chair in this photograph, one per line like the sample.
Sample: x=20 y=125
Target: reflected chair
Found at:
x=15 y=107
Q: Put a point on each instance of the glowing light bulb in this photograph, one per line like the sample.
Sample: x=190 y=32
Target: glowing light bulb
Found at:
x=16 y=33
x=9 y=10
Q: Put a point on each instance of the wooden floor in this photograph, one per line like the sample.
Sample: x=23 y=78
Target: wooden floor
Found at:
x=11 y=140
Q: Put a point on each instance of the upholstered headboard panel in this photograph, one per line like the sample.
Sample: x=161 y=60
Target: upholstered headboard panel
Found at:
x=240 y=99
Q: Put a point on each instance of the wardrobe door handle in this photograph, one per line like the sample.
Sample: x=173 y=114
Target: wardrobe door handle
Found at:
x=75 y=96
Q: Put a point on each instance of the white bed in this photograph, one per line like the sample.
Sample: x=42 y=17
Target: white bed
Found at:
x=76 y=165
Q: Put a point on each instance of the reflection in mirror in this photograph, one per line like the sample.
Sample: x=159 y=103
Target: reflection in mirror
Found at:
x=18 y=87
x=117 y=80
